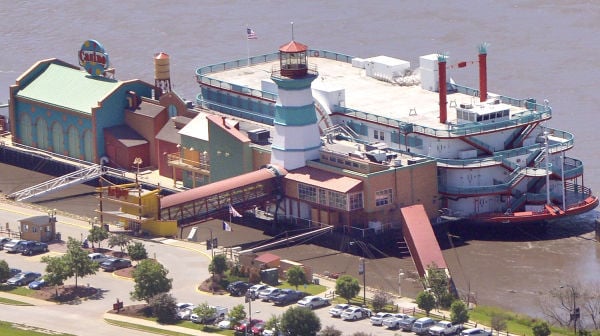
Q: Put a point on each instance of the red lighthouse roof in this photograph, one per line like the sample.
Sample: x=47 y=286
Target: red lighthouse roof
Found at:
x=292 y=47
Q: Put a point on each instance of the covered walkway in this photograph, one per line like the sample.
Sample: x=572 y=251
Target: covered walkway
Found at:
x=212 y=201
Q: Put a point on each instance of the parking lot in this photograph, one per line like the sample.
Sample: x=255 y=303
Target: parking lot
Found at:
x=187 y=264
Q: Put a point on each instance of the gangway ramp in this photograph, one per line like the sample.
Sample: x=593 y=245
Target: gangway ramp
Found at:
x=59 y=183
x=421 y=240
x=289 y=239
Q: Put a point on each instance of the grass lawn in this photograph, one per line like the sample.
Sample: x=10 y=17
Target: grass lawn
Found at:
x=311 y=289
x=515 y=323
x=13 y=303
x=14 y=329
x=160 y=331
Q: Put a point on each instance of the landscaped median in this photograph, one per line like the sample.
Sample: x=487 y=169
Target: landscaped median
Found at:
x=149 y=324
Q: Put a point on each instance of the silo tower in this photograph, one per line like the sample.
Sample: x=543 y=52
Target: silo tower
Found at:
x=162 y=72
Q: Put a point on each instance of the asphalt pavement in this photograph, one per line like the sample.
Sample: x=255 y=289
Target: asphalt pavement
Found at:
x=187 y=263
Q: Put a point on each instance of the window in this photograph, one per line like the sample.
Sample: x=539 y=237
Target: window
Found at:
x=375 y=134
x=381 y=137
x=322 y=197
x=307 y=193
x=337 y=200
x=25 y=228
x=34 y=229
x=383 y=197
x=356 y=201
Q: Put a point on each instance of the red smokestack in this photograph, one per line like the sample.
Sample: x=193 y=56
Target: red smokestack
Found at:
x=482 y=75
x=443 y=89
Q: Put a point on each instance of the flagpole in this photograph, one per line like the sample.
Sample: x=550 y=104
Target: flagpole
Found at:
x=247 y=49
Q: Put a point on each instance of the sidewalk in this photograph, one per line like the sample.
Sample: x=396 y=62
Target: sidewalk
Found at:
x=147 y=323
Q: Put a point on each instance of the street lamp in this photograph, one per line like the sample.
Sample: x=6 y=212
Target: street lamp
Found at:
x=400 y=277
x=362 y=270
x=574 y=315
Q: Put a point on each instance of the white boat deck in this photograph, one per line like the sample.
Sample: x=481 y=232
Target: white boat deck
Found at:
x=363 y=93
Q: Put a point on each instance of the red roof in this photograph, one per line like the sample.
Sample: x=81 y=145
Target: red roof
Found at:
x=324 y=179
x=229 y=126
x=216 y=187
x=161 y=55
x=293 y=47
x=267 y=258
x=422 y=242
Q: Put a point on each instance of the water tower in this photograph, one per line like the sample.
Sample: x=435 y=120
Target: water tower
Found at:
x=162 y=72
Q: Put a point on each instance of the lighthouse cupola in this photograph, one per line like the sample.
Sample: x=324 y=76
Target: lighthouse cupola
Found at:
x=293 y=60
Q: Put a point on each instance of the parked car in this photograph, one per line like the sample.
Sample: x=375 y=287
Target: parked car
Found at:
x=312 y=302
x=114 y=264
x=182 y=305
x=286 y=296
x=3 y=241
x=98 y=257
x=475 y=332
x=238 y=288
x=13 y=245
x=13 y=271
x=219 y=315
x=255 y=289
x=186 y=313
x=246 y=325
x=38 y=283
x=422 y=325
x=225 y=324
x=338 y=309
x=23 y=278
x=394 y=321
x=32 y=247
x=407 y=323
x=377 y=319
x=258 y=328
x=443 y=328
x=266 y=293
x=354 y=313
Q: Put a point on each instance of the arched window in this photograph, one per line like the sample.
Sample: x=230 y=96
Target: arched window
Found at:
x=41 y=129
x=88 y=146
x=58 y=138
x=74 y=142
x=25 y=131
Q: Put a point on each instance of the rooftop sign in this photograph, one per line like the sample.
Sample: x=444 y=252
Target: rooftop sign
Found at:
x=93 y=58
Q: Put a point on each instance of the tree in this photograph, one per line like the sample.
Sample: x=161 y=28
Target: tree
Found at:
x=300 y=321
x=237 y=313
x=498 y=321
x=97 y=234
x=205 y=312
x=330 y=331
x=57 y=271
x=541 y=328
x=4 y=271
x=218 y=265
x=426 y=301
x=459 y=313
x=77 y=261
x=347 y=287
x=137 y=251
x=296 y=276
x=274 y=323
x=119 y=240
x=164 y=307
x=380 y=300
x=437 y=281
x=150 y=279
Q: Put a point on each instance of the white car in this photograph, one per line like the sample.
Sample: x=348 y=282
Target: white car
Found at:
x=378 y=318
x=255 y=289
x=98 y=257
x=266 y=293
x=336 y=311
x=395 y=320
x=225 y=324
x=186 y=313
x=355 y=313
x=312 y=302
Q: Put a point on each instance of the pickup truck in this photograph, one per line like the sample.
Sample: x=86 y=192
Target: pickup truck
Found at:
x=393 y=321
x=219 y=314
x=286 y=296
x=443 y=328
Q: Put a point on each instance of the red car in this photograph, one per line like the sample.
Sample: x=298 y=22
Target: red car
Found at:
x=246 y=325
x=258 y=328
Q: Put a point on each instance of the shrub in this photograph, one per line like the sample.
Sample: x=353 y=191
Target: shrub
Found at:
x=164 y=308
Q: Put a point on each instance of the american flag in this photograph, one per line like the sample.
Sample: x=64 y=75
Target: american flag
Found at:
x=234 y=212
x=250 y=34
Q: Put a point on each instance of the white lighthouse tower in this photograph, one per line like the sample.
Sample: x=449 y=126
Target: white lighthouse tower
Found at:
x=296 y=137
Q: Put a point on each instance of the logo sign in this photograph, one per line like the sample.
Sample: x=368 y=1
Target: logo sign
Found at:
x=93 y=58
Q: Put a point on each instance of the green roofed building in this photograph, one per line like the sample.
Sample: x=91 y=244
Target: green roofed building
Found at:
x=60 y=108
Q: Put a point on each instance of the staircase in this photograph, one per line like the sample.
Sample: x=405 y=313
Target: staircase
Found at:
x=59 y=183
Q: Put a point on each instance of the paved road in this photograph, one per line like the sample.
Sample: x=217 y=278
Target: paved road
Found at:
x=187 y=264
